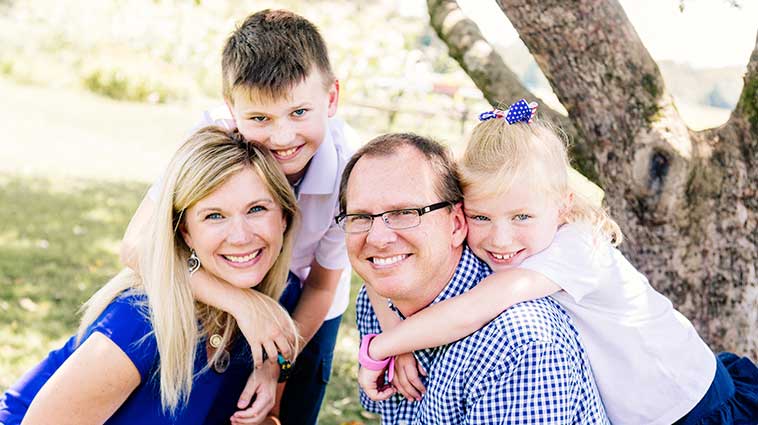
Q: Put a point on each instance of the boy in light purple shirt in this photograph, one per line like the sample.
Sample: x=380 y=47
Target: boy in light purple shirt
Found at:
x=280 y=91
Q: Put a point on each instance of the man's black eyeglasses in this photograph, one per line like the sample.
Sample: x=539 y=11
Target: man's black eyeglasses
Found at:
x=395 y=219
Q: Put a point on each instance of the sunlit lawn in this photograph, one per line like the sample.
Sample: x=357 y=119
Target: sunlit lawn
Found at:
x=60 y=224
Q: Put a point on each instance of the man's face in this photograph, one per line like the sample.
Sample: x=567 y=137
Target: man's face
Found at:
x=292 y=127
x=409 y=266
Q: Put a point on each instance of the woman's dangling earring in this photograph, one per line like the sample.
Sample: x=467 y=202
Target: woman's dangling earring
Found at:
x=193 y=263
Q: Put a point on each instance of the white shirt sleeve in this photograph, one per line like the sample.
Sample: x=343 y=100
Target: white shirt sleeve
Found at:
x=331 y=252
x=572 y=261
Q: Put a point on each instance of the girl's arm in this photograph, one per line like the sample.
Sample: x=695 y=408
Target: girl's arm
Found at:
x=387 y=318
x=88 y=387
x=408 y=372
x=463 y=314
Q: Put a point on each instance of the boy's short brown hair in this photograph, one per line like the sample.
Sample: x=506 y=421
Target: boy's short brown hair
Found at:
x=272 y=51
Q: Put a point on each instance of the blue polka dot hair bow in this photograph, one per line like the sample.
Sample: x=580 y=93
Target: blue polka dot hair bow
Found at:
x=520 y=111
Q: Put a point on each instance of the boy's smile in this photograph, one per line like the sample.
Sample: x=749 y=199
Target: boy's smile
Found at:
x=292 y=127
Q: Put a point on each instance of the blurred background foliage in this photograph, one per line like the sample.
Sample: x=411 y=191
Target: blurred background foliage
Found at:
x=97 y=95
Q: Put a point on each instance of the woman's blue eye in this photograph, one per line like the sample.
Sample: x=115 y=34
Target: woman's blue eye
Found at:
x=298 y=112
x=256 y=209
x=522 y=217
x=214 y=216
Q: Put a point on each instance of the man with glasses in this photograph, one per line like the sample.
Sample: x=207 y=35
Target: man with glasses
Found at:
x=400 y=203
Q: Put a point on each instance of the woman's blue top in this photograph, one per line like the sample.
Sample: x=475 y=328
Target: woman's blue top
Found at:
x=125 y=321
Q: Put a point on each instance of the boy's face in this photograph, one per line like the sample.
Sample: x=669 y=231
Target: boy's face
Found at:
x=292 y=127
x=507 y=228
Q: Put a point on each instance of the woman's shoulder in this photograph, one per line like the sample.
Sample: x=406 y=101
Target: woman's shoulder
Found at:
x=128 y=309
x=126 y=322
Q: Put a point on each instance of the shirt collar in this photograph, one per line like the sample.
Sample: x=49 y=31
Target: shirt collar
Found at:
x=323 y=169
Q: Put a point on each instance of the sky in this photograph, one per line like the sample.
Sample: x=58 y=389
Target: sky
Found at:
x=706 y=34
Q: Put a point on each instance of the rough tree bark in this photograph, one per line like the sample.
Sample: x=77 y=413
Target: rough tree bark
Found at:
x=686 y=201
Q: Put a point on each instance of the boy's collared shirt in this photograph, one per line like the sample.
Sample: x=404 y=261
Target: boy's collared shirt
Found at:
x=526 y=366
x=318 y=237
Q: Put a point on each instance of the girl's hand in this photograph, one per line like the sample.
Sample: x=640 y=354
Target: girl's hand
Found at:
x=261 y=384
x=406 y=380
x=373 y=384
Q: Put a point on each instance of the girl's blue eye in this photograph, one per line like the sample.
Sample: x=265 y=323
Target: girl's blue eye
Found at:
x=299 y=112
x=479 y=218
x=258 y=118
x=521 y=217
x=214 y=216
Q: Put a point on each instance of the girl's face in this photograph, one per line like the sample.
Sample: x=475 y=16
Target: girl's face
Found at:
x=237 y=230
x=505 y=229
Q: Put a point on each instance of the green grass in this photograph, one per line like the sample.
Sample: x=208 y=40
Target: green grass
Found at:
x=59 y=244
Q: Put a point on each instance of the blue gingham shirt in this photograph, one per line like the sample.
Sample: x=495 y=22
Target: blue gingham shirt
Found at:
x=526 y=366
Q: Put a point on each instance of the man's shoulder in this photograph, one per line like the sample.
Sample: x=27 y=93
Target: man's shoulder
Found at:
x=529 y=322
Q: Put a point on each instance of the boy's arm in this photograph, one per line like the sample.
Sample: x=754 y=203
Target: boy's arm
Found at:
x=463 y=314
x=317 y=296
x=134 y=231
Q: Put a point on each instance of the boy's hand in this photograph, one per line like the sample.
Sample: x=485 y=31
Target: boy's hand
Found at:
x=373 y=384
x=261 y=319
x=261 y=388
x=406 y=380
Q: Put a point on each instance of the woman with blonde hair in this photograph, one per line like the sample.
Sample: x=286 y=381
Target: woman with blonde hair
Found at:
x=146 y=351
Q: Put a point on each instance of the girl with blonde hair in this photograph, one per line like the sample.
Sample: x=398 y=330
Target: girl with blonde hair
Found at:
x=146 y=351
x=542 y=238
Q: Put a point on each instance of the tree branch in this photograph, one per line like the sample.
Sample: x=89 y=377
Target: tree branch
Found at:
x=492 y=76
x=747 y=106
x=614 y=93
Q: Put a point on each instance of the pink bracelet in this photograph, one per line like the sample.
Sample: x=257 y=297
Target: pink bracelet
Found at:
x=365 y=360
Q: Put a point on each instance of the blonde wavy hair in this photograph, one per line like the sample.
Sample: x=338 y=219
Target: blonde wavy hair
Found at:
x=498 y=153
x=201 y=165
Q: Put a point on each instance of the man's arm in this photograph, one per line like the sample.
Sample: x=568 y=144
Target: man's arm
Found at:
x=537 y=382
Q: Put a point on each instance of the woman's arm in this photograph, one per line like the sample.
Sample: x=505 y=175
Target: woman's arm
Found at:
x=88 y=387
x=463 y=314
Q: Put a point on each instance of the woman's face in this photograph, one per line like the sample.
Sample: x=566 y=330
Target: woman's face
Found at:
x=237 y=231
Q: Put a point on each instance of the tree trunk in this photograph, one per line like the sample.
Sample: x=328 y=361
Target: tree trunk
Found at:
x=686 y=201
